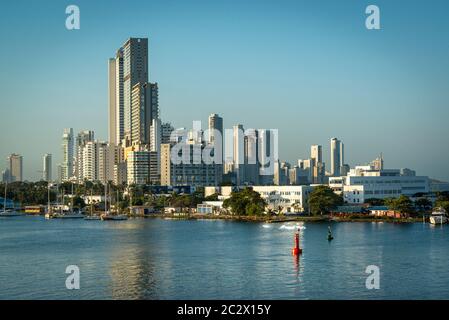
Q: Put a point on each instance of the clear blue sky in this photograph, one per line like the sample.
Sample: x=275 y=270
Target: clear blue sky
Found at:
x=309 y=68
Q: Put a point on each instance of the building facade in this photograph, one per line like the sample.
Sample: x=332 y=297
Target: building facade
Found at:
x=46 y=167
x=67 y=154
x=15 y=168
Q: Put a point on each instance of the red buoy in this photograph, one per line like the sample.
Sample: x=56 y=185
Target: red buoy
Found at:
x=296 y=250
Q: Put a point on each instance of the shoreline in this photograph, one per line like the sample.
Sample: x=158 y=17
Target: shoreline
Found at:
x=269 y=219
x=284 y=219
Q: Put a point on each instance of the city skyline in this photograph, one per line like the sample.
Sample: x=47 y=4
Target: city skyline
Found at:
x=399 y=112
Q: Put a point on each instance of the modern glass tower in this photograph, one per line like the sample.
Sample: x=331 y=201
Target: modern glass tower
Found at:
x=46 y=170
x=130 y=67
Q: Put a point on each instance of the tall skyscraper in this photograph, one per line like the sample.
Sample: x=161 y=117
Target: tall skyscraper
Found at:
x=317 y=170
x=239 y=153
x=337 y=156
x=112 y=124
x=216 y=139
x=144 y=108
x=215 y=123
x=15 y=163
x=46 y=170
x=135 y=70
x=316 y=153
x=266 y=156
x=67 y=154
x=251 y=157
x=82 y=139
x=130 y=67
x=166 y=131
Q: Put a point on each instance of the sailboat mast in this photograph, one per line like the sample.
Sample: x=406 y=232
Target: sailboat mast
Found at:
x=105 y=198
x=4 y=200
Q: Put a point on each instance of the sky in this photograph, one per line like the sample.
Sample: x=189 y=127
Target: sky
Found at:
x=308 y=68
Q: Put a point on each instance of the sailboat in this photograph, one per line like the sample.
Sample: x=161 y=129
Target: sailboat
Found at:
x=71 y=214
x=92 y=216
x=107 y=215
x=9 y=212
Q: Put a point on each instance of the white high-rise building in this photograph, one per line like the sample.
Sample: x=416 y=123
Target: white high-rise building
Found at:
x=239 y=153
x=67 y=154
x=90 y=161
x=46 y=169
x=82 y=139
x=337 y=156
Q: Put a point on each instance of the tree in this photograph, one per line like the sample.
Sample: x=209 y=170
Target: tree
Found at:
x=322 y=200
x=403 y=204
x=78 y=202
x=423 y=204
x=212 y=197
x=245 y=202
x=375 y=202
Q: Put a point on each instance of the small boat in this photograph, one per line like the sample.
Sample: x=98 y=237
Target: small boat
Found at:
x=329 y=234
x=48 y=216
x=69 y=215
x=115 y=217
x=11 y=213
x=92 y=217
x=438 y=216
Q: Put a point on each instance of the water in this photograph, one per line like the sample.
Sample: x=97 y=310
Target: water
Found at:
x=167 y=259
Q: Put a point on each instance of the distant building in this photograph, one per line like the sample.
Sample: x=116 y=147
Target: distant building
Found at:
x=138 y=167
x=5 y=175
x=67 y=155
x=337 y=156
x=188 y=172
x=46 y=170
x=317 y=168
x=82 y=139
x=144 y=109
x=365 y=182
x=166 y=131
x=285 y=199
x=15 y=164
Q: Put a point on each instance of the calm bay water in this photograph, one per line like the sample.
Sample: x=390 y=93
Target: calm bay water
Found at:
x=167 y=259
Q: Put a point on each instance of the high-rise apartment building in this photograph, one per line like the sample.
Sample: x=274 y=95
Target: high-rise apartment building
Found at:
x=337 y=156
x=166 y=131
x=67 y=154
x=138 y=167
x=239 y=153
x=144 y=108
x=46 y=169
x=130 y=67
x=188 y=173
x=15 y=165
x=112 y=99
x=81 y=140
x=215 y=127
x=251 y=157
x=318 y=170
x=135 y=70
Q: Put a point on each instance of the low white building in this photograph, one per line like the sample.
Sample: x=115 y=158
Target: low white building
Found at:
x=287 y=199
x=365 y=182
